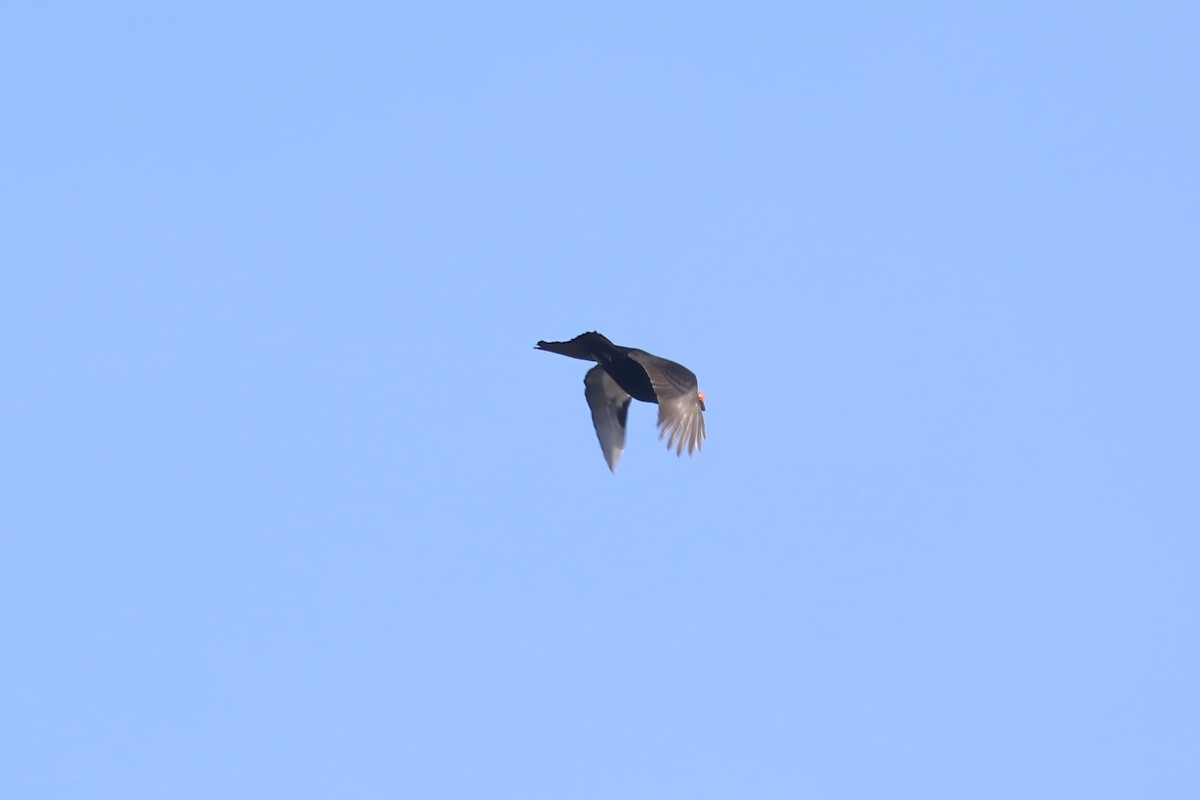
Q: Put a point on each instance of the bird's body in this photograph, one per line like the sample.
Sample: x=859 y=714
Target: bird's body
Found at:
x=622 y=373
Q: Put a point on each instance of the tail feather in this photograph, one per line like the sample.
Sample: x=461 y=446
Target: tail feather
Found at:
x=589 y=346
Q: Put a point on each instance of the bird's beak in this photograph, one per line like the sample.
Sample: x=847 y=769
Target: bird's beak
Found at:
x=700 y=397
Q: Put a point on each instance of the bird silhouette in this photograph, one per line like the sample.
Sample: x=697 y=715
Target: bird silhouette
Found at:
x=622 y=373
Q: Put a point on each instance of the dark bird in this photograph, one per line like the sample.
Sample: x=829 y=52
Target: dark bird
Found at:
x=625 y=372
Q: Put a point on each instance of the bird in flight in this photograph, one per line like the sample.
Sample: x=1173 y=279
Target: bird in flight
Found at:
x=622 y=373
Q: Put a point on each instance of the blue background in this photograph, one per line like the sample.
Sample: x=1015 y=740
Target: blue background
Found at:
x=292 y=508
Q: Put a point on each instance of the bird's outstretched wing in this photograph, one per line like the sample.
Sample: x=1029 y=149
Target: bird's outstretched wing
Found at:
x=610 y=406
x=682 y=421
x=680 y=405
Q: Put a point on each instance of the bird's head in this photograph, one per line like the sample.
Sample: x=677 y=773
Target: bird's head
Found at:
x=700 y=397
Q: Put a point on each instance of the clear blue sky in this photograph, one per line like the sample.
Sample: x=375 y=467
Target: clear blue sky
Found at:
x=292 y=508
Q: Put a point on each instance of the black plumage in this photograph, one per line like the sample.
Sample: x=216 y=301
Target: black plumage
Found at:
x=622 y=373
